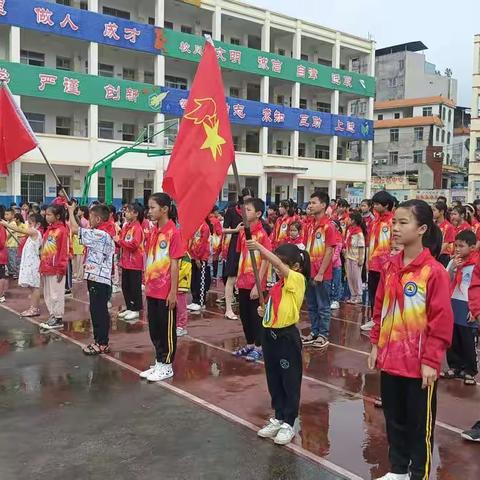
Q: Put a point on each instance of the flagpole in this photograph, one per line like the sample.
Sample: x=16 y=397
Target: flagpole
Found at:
x=248 y=235
x=55 y=176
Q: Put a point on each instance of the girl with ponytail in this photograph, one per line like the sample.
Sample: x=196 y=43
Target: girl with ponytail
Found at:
x=413 y=325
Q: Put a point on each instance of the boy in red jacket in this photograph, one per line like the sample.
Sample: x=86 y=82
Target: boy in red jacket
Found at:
x=132 y=259
x=199 y=250
x=53 y=265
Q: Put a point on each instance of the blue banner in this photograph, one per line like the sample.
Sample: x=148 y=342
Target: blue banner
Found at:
x=249 y=112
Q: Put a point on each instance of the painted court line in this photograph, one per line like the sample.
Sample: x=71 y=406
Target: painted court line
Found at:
x=444 y=425
x=213 y=408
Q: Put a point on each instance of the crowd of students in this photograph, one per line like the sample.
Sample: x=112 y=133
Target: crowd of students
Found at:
x=413 y=267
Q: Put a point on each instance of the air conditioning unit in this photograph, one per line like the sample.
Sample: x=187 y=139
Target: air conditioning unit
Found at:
x=384 y=161
x=376 y=162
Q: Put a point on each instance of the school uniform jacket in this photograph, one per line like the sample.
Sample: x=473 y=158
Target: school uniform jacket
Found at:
x=413 y=318
x=199 y=244
x=474 y=292
x=54 y=253
x=379 y=246
x=131 y=242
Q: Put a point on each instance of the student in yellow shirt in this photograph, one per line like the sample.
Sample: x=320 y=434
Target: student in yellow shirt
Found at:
x=13 y=241
x=281 y=343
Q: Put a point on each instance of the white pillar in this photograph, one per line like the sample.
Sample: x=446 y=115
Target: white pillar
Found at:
x=296 y=52
x=265 y=87
x=217 y=22
x=93 y=113
x=262 y=187
x=335 y=104
x=16 y=167
x=332 y=188
x=159 y=73
x=371 y=100
x=93 y=5
x=294 y=188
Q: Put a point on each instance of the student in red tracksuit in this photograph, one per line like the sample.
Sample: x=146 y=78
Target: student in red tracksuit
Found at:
x=295 y=235
x=132 y=259
x=413 y=326
x=164 y=250
x=199 y=250
x=440 y=215
x=53 y=265
x=279 y=235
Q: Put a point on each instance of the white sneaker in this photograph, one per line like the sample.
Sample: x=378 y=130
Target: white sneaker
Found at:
x=148 y=372
x=367 y=327
x=194 y=307
x=124 y=314
x=285 y=434
x=2 y=299
x=181 y=331
x=334 y=305
x=271 y=429
x=395 y=476
x=132 y=316
x=161 y=372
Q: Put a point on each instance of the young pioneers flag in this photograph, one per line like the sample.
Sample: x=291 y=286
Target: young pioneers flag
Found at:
x=16 y=135
x=203 y=150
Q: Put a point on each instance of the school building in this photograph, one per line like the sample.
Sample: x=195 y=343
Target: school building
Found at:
x=93 y=76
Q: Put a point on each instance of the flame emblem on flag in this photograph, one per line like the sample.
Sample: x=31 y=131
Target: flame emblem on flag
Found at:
x=205 y=113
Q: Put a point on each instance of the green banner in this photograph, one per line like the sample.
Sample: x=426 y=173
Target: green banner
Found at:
x=235 y=57
x=70 y=86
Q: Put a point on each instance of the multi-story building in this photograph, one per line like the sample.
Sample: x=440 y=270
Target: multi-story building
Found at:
x=91 y=75
x=414 y=138
x=474 y=163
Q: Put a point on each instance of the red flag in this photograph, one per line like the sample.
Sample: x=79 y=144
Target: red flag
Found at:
x=16 y=136
x=203 y=150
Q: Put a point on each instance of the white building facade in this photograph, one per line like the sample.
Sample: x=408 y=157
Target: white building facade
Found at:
x=474 y=163
x=88 y=76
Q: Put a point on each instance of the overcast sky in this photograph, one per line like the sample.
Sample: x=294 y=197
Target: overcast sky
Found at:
x=446 y=27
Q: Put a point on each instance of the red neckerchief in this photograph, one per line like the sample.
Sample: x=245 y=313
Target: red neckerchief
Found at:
x=394 y=281
x=276 y=296
x=472 y=259
x=353 y=230
x=238 y=210
x=295 y=241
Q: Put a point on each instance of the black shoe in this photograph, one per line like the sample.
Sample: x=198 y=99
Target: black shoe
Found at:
x=52 y=324
x=68 y=292
x=474 y=434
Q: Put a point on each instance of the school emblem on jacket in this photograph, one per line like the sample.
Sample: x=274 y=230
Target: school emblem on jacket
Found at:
x=410 y=289
x=284 y=226
x=163 y=244
x=318 y=236
x=385 y=229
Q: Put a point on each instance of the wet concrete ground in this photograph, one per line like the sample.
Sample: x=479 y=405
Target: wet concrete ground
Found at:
x=100 y=414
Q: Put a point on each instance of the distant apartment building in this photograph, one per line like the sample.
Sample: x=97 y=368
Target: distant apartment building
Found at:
x=474 y=163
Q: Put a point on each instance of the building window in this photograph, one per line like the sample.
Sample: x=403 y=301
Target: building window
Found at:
x=323 y=107
x=380 y=116
x=396 y=115
x=304 y=57
x=353 y=109
x=392 y=82
x=32 y=188
x=394 y=134
x=443 y=136
x=66 y=183
x=83 y=4
x=449 y=115
x=64 y=2
x=36 y=121
x=302 y=150
x=64 y=63
x=128 y=132
x=105 y=130
x=322 y=151
x=151 y=20
x=232 y=192
x=176 y=82
x=32 y=58
x=252 y=142
x=64 y=126
x=279 y=147
x=236 y=143
x=444 y=110
x=418 y=156
x=427 y=111
x=362 y=108
x=115 y=12
x=393 y=158
x=234 y=92
x=280 y=99
x=401 y=64
x=448 y=138
x=168 y=25
x=234 y=41
x=128 y=190
x=418 y=131
x=186 y=29
x=148 y=77
x=303 y=103
x=105 y=70
x=437 y=135
x=128 y=74
x=281 y=51
x=101 y=189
